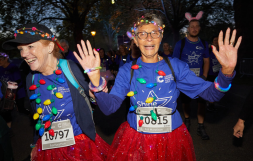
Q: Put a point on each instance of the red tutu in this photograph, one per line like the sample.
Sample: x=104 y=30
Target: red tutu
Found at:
x=84 y=149
x=130 y=145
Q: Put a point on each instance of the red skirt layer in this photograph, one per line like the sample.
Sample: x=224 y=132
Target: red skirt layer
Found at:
x=84 y=149
x=130 y=145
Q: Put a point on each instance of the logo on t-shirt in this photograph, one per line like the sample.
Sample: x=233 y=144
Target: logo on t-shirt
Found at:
x=161 y=101
x=193 y=58
x=166 y=79
x=199 y=47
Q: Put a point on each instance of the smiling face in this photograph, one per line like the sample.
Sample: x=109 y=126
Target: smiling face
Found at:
x=149 y=46
x=36 y=54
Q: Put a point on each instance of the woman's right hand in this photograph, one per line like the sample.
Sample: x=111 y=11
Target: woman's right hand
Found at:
x=89 y=59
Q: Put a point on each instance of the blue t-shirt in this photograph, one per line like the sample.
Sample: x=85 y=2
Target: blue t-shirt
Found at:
x=166 y=91
x=193 y=54
x=64 y=105
x=214 y=65
x=11 y=73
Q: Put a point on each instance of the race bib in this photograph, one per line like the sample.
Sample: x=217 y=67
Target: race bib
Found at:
x=196 y=71
x=216 y=68
x=63 y=136
x=163 y=124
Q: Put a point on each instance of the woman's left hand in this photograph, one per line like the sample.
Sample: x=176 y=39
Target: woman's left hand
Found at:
x=227 y=54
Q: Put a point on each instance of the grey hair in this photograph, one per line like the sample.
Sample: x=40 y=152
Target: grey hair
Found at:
x=63 y=40
x=150 y=17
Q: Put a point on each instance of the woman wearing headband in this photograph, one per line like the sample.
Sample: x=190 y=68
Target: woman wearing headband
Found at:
x=63 y=117
x=154 y=129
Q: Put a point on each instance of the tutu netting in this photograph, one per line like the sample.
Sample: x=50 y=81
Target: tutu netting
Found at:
x=84 y=150
x=130 y=145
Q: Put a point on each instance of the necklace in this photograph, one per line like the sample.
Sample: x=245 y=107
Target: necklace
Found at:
x=149 y=85
x=47 y=118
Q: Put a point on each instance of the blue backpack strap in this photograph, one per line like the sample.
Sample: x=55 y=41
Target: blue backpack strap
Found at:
x=64 y=66
x=71 y=77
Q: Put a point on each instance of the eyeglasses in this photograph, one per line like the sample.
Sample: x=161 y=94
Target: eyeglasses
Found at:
x=153 y=34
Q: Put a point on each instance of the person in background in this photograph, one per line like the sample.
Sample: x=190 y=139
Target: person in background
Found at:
x=214 y=68
x=123 y=53
x=105 y=60
x=10 y=72
x=67 y=54
x=194 y=51
x=135 y=53
x=167 y=50
x=245 y=113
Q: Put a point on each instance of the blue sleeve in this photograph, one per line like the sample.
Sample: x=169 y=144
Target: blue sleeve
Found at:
x=206 y=52
x=211 y=93
x=1 y=95
x=176 y=52
x=110 y=103
x=188 y=82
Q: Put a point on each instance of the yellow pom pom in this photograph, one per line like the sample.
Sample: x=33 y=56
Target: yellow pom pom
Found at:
x=59 y=95
x=150 y=100
x=39 y=110
x=36 y=116
x=47 y=102
x=130 y=94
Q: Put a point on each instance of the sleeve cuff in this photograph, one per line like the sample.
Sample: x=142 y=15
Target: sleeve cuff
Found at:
x=224 y=80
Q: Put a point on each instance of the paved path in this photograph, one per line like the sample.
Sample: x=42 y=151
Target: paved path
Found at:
x=222 y=146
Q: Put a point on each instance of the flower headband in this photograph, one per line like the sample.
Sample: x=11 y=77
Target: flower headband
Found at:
x=33 y=32
x=4 y=55
x=143 y=20
x=189 y=17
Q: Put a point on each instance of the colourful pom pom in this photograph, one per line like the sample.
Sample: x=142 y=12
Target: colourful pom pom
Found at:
x=47 y=102
x=60 y=80
x=54 y=110
x=58 y=72
x=58 y=95
x=45 y=118
x=131 y=93
x=32 y=87
x=136 y=66
x=141 y=80
x=151 y=85
x=47 y=124
x=140 y=123
x=41 y=131
x=51 y=132
x=42 y=81
x=132 y=108
x=39 y=110
x=36 y=116
x=161 y=73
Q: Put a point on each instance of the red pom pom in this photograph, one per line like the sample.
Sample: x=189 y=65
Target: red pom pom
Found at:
x=58 y=72
x=51 y=132
x=32 y=87
x=135 y=66
x=140 y=123
x=42 y=81
x=161 y=73
x=47 y=124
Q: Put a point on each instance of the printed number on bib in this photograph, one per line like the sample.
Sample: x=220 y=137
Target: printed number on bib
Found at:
x=163 y=124
x=196 y=71
x=63 y=136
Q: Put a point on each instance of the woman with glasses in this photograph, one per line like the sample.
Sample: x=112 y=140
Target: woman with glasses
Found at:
x=154 y=129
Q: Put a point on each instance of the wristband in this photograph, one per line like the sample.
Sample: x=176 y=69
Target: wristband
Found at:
x=217 y=86
x=99 y=88
x=92 y=69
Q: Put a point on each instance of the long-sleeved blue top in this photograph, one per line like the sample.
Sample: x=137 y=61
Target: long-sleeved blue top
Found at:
x=167 y=91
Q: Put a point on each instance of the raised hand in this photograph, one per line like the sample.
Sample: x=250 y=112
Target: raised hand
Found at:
x=89 y=59
x=227 y=54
